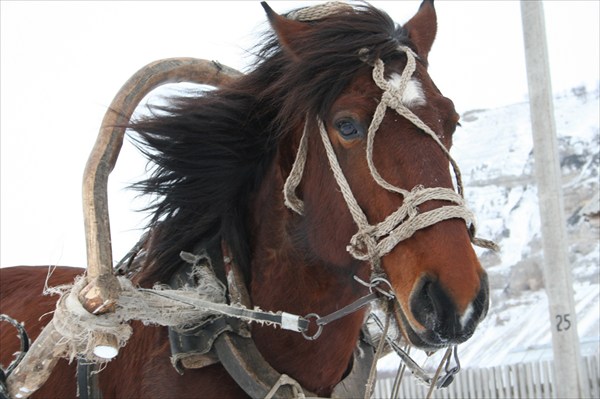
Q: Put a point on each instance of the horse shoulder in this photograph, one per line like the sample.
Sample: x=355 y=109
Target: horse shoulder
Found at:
x=22 y=298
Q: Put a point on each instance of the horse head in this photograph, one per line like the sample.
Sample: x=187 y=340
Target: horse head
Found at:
x=369 y=181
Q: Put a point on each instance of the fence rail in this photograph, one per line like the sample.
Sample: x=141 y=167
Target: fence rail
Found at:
x=523 y=380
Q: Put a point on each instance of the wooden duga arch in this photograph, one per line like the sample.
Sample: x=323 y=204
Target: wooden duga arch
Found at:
x=305 y=190
x=102 y=292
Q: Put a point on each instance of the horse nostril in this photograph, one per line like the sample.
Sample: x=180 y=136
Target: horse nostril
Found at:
x=435 y=310
x=431 y=306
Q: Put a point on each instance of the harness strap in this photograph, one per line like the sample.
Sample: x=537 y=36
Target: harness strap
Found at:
x=88 y=385
x=194 y=349
x=217 y=333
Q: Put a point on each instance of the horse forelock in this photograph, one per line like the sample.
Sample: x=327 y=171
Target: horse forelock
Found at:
x=312 y=69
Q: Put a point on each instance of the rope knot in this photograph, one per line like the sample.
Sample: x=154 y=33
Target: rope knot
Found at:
x=363 y=245
x=412 y=200
x=392 y=98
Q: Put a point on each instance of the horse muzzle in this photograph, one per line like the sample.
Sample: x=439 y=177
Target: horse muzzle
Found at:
x=435 y=320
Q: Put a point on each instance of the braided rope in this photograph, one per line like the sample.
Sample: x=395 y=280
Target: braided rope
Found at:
x=289 y=188
x=320 y=11
x=357 y=213
x=372 y=242
x=392 y=97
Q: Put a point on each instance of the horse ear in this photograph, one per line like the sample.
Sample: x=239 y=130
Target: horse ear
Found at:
x=422 y=28
x=287 y=30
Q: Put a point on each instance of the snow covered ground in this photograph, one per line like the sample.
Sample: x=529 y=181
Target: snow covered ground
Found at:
x=494 y=152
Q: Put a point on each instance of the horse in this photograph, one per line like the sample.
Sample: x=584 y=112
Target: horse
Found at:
x=309 y=167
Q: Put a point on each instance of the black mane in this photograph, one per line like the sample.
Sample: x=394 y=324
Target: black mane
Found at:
x=211 y=151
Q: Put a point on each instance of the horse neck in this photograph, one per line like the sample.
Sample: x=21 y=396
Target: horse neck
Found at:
x=286 y=277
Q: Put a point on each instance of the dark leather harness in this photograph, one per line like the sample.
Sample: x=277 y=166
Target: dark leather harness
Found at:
x=228 y=341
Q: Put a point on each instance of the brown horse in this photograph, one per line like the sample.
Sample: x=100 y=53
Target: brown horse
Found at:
x=222 y=161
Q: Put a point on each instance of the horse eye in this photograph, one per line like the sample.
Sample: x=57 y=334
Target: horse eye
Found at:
x=348 y=128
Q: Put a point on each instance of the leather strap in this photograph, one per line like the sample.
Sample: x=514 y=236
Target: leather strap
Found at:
x=346 y=310
x=88 y=386
x=193 y=348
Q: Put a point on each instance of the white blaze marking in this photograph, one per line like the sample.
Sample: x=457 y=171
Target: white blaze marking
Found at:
x=413 y=93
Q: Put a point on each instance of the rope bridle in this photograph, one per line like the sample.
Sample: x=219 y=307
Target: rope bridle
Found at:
x=372 y=242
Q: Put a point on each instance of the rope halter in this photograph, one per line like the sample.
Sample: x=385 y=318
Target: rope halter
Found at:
x=372 y=242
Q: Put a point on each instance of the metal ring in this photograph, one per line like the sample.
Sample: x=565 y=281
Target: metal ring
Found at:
x=376 y=280
x=373 y=285
x=319 y=329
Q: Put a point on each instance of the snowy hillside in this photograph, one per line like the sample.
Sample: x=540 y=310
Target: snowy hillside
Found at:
x=494 y=152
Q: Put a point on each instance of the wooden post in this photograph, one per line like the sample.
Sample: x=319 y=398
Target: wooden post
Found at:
x=557 y=271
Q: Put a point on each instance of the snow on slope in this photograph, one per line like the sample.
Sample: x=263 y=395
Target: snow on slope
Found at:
x=494 y=151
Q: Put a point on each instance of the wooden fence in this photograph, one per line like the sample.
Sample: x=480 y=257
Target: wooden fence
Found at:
x=524 y=380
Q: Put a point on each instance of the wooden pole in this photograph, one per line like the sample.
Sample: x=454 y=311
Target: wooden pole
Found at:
x=557 y=271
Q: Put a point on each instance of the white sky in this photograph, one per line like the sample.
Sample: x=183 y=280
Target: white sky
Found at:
x=61 y=63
